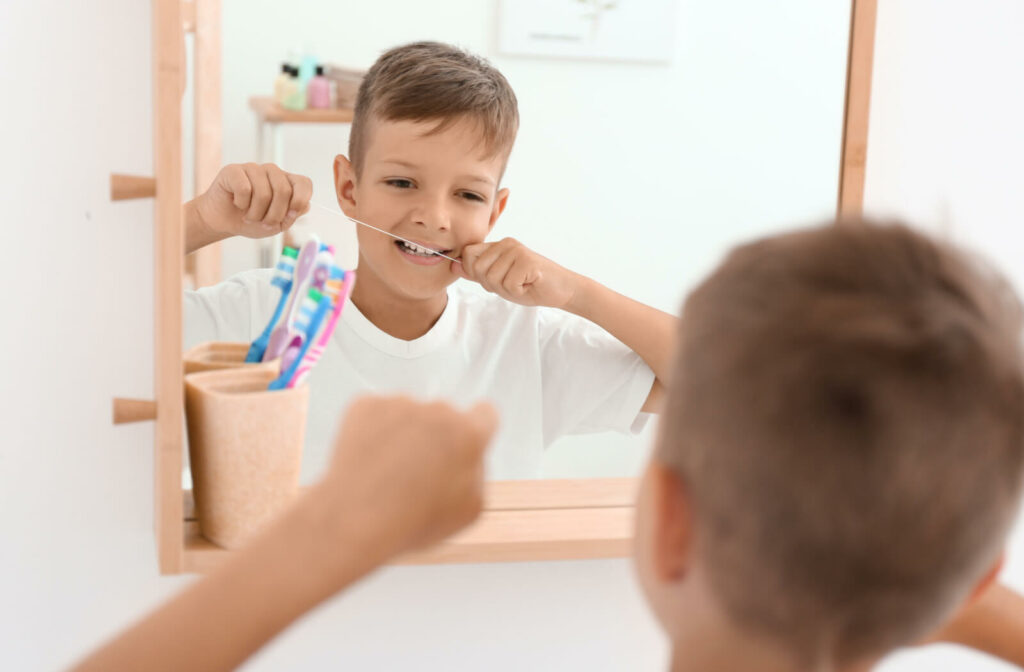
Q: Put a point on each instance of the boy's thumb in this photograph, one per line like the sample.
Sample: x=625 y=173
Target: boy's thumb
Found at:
x=457 y=269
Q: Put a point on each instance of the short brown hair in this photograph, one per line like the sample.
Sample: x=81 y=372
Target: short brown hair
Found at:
x=428 y=81
x=846 y=414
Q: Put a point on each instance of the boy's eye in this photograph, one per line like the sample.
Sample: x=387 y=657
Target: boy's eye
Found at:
x=469 y=195
x=400 y=183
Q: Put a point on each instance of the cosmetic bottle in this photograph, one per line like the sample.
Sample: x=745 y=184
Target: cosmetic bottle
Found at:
x=295 y=96
x=280 y=83
x=318 y=91
x=307 y=67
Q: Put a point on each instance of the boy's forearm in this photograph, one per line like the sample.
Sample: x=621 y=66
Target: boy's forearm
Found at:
x=197 y=234
x=994 y=624
x=222 y=619
x=647 y=331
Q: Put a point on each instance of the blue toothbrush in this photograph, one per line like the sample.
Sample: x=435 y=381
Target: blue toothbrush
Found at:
x=283 y=273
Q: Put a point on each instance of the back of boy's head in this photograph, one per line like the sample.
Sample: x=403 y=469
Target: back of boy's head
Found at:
x=846 y=416
x=435 y=82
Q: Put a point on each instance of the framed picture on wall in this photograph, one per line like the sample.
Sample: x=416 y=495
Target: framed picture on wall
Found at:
x=621 y=30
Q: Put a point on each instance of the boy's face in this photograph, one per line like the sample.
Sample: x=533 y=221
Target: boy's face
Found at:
x=434 y=189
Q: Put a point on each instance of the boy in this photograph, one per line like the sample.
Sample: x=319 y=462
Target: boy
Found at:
x=841 y=453
x=555 y=351
x=841 y=458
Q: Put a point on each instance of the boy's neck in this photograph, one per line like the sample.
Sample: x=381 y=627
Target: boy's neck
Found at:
x=707 y=650
x=400 y=317
x=704 y=639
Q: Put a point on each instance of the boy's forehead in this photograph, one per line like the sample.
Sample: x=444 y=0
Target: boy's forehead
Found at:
x=457 y=148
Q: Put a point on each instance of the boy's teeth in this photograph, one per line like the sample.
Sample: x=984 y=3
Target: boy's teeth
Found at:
x=417 y=249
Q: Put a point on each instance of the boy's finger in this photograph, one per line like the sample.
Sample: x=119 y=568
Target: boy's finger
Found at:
x=302 y=195
x=457 y=269
x=236 y=182
x=498 y=271
x=482 y=265
x=517 y=281
x=261 y=193
x=280 y=198
x=470 y=254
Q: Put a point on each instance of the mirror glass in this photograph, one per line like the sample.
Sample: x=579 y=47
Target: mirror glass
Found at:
x=659 y=135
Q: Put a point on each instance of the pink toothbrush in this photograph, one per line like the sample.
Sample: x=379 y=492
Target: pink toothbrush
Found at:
x=313 y=354
x=285 y=332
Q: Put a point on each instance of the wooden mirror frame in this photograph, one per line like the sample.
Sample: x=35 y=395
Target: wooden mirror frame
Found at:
x=522 y=520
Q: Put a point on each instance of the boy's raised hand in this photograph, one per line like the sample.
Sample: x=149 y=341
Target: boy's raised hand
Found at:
x=413 y=472
x=252 y=200
x=518 y=274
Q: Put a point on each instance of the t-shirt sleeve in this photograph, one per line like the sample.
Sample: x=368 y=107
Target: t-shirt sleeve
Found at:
x=233 y=310
x=591 y=381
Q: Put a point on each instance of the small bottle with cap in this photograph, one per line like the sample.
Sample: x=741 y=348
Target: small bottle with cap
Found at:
x=281 y=82
x=319 y=91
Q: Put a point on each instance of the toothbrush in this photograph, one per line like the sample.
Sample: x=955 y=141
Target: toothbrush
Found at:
x=307 y=309
x=324 y=264
x=344 y=289
x=314 y=309
x=283 y=333
x=282 y=280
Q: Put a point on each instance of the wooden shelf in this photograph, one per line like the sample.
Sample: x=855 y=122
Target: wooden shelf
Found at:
x=270 y=112
x=522 y=521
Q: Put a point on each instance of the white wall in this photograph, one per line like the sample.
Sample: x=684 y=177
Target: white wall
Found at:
x=944 y=151
x=76 y=548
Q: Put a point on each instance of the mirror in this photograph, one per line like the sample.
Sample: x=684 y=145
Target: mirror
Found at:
x=639 y=174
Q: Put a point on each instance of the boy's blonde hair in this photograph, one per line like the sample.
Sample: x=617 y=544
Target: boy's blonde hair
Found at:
x=430 y=81
x=847 y=413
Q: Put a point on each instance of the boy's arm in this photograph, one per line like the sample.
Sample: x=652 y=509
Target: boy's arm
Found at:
x=378 y=499
x=993 y=623
x=511 y=270
x=647 y=331
x=255 y=201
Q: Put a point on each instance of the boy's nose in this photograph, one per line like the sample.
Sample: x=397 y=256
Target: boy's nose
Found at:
x=432 y=214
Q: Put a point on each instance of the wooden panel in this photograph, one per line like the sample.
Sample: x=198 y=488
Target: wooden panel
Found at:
x=125 y=187
x=858 y=104
x=542 y=534
x=205 y=264
x=560 y=494
x=269 y=111
x=497 y=536
x=168 y=245
x=133 y=410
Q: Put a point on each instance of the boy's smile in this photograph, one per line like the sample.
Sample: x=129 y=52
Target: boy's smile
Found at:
x=435 y=189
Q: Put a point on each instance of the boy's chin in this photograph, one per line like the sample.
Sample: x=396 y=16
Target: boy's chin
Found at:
x=424 y=291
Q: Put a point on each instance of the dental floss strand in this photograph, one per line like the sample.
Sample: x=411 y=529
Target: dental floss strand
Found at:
x=386 y=233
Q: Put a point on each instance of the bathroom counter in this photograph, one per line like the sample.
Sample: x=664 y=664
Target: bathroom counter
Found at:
x=269 y=112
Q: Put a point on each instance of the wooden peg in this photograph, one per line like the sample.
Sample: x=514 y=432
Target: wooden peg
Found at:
x=124 y=187
x=133 y=410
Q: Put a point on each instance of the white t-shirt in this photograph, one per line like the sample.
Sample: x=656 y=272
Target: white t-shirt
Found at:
x=548 y=372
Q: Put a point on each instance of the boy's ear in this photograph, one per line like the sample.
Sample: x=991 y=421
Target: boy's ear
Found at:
x=345 y=184
x=673 y=523
x=500 y=201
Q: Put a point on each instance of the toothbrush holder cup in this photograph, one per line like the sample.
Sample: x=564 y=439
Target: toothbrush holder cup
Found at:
x=245 y=449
